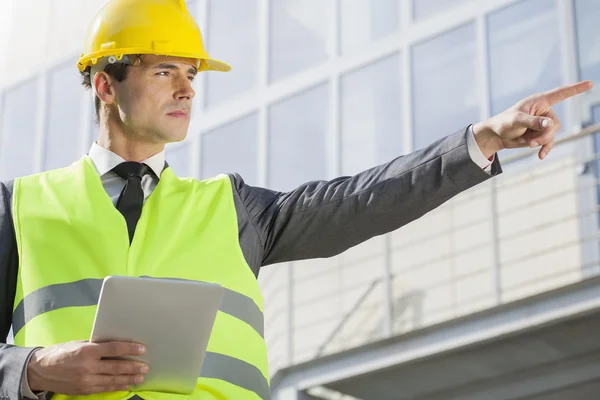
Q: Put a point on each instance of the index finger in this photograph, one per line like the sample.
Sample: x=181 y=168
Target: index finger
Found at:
x=116 y=349
x=564 y=92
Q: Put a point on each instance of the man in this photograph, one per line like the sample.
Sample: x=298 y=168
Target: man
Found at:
x=120 y=210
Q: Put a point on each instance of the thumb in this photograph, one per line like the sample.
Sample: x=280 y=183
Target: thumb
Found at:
x=524 y=120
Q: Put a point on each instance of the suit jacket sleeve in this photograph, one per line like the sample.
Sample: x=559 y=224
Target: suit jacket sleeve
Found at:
x=13 y=359
x=324 y=218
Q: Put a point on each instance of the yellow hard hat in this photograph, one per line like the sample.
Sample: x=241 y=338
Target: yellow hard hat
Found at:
x=161 y=27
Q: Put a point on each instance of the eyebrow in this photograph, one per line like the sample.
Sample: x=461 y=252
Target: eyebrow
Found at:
x=191 y=70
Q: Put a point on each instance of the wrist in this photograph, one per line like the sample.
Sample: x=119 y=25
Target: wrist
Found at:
x=34 y=376
x=488 y=141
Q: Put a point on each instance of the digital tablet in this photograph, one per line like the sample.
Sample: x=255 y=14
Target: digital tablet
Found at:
x=173 y=318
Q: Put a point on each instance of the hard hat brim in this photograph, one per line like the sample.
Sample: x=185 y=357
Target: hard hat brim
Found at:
x=209 y=64
x=206 y=63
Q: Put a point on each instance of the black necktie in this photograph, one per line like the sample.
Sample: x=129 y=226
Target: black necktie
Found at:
x=132 y=196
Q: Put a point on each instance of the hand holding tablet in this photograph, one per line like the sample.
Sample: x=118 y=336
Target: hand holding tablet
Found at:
x=172 y=318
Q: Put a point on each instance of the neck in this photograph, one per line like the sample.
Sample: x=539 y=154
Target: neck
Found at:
x=129 y=147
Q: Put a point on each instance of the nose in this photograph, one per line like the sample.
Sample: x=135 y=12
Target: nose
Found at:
x=185 y=91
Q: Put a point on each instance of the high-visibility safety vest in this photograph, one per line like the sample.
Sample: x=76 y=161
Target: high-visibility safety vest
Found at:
x=70 y=237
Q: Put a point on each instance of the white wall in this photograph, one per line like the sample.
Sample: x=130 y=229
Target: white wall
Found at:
x=5 y=30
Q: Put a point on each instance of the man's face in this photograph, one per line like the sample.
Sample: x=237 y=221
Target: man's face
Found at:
x=155 y=100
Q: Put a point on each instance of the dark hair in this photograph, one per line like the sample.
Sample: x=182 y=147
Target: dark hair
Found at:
x=117 y=71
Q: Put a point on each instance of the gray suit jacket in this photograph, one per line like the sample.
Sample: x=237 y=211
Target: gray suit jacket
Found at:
x=318 y=219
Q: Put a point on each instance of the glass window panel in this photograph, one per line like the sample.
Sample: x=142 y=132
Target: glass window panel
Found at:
x=178 y=158
x=192 y=7
x=525 y=31
x=233 y=38
x=297 y=139
x=64 y=117
x=371 y=116
x=445 y=85
x=232 y=148
x=426 y=8
x=364 y=21
x=587 y=13
x=299 y=33
x=18 y=128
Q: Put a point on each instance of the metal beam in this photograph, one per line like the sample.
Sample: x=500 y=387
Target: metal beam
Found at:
x=502 y=321
x=293 y=394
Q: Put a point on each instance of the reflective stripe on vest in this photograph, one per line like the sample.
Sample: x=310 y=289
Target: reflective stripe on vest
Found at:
x=70 y=237
x=87 y=292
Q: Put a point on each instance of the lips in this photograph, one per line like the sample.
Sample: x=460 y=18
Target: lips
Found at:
x=179 y=114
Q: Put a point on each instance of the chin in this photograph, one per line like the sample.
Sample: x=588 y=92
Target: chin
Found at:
x=171 y=137
x=176 y=139
x=174 y=134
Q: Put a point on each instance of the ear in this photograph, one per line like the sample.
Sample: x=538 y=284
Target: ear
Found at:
x=103 y=86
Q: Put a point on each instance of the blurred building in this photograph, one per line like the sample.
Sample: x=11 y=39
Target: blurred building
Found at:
x=495 y=295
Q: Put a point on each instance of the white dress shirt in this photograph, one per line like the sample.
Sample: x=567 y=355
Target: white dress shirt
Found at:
x=476 y=154
x=105 y=160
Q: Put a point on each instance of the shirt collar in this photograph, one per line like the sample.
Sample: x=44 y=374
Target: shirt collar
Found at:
x=105 y=160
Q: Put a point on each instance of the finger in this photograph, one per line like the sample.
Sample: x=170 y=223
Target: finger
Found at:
x=108 y=383
x=562 y=93
x=524 y=120
x=118 y=367
x=106 y=389
x=117 y=349
x=549 y=135
x=546 y=149
x=534 y=138
x=515 y=144
x=117 y=380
